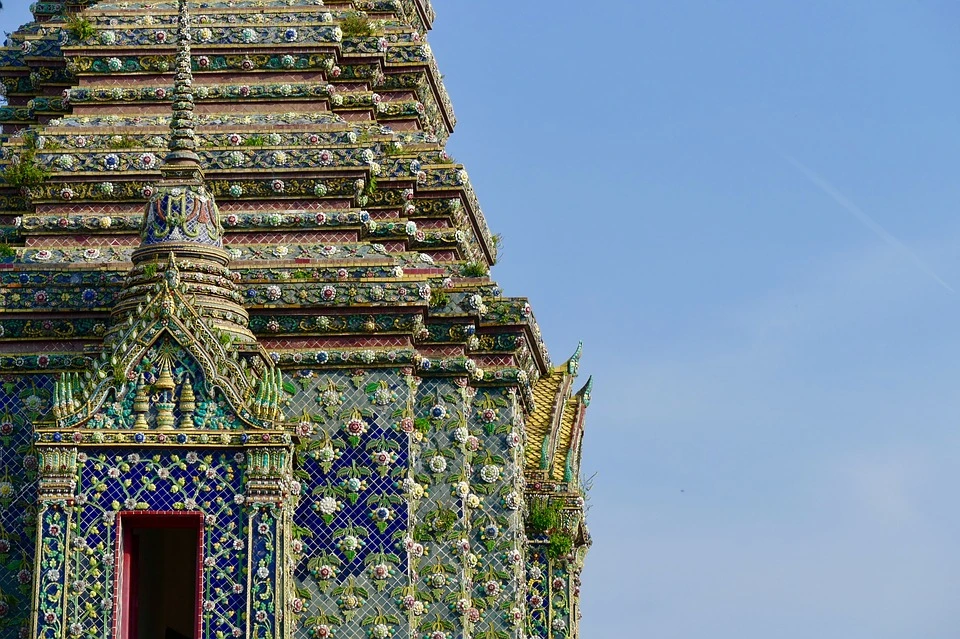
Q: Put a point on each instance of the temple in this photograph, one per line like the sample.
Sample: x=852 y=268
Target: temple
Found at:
x=256 y=378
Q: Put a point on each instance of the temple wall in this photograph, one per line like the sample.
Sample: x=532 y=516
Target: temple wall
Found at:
x=437 y=544
x=22 y=399
x=341 y=391
x=409 y=514
x=80 y=542
x=351 y=519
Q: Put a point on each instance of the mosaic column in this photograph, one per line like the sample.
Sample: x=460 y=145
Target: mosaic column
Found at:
x=538 y=570
x=438 y=550
x=58 y=472
x=576 y=570
x=553 y=590
x=496 y=489
x=267 y=482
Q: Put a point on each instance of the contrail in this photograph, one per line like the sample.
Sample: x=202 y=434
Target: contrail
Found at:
x=864 y=219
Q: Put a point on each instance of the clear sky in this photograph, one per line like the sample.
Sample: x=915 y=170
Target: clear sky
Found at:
x=746 y=210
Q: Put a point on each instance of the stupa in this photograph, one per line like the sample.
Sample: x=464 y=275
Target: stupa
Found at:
x=255 y=378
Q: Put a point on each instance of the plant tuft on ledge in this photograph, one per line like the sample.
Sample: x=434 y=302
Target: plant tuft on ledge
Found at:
x=559 y=546
x=544 y=516
x=438 y=298
x=79 y=27
x=474 y=269
x=356 y=24
x=24 y=172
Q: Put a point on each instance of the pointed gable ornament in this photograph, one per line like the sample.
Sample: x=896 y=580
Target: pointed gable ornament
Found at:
x=179 y=298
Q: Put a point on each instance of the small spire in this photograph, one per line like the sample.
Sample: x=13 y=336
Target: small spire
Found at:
x=585 y=392
x=573 y=364
x=182 y=161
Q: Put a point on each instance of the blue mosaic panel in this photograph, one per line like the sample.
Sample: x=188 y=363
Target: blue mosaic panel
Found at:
x=560 y=585
x=352 y=517
x=111 y=481
x=538 y=575
x=552 y=590
x=266 y=531
x=22 y=399
x=51 y=580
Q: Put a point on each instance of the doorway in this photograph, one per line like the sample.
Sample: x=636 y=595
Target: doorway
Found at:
x=160 y=575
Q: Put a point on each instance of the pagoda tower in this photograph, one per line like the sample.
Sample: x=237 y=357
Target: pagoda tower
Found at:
x=256 y=378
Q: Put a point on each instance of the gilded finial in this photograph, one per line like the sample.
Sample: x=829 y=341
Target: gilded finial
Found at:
x=182 y=161
x=141 y=405
x=165 y=381
x=165 y=404
x=188 y=404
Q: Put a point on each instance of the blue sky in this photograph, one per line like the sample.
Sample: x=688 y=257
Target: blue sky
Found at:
x=746 y=210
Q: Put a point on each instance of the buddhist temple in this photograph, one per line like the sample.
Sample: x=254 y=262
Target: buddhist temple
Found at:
x=255 y=377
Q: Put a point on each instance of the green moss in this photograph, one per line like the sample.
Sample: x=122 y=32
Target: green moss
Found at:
x=255 y=140
x=7 y=251
x=441 y=520
x=25 y=172
x=544 y=515
x=438 y=298
x=474 y=269
x=370 y=186
x=356 y=24
x=79 y=27
x=559 y=546
x=121 y=142
x=150 y=269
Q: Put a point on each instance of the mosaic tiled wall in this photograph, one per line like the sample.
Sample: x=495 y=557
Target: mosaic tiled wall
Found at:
x=406 y=522
x=113 y=480
x=552 y=595
x=347 y=394
x=23 y=398
x=351 y=516
x=242 y=542
x=408 y=518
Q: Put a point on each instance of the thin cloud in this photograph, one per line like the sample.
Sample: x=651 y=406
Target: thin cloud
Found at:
x=864 y=219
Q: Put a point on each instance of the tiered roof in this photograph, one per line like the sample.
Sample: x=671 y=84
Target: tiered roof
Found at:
x=264 y=194
x=323 y=148
x=352 y=237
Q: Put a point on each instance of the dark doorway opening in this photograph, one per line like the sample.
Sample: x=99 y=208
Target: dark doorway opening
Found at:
x=160 y=576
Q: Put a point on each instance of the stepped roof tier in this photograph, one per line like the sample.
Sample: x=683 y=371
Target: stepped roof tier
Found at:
x=232 y=224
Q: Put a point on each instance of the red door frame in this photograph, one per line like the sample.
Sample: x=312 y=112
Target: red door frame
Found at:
x=127 y=569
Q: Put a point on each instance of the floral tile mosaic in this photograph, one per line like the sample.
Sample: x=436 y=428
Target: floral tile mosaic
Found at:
x=242 y=282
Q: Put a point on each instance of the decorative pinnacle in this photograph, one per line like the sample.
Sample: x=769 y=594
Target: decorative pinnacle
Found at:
x=183 y=156
x=585 y=392
x=573 y=364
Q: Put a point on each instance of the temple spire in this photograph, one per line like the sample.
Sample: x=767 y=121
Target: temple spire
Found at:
x=182 y=161
x=182 y=214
